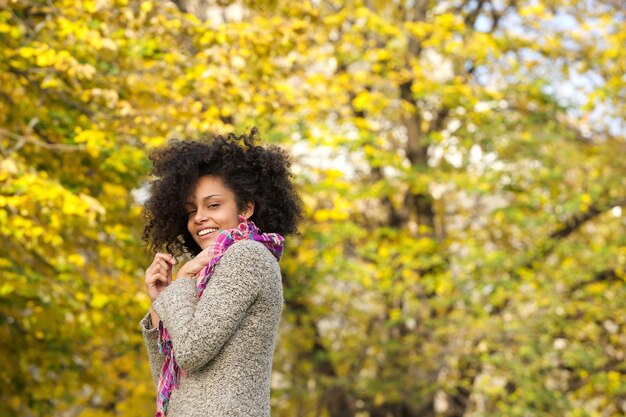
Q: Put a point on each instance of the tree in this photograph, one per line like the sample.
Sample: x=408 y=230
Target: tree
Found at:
x=463 y=251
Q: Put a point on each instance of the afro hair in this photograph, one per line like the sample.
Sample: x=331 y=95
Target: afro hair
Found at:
x=258 y=174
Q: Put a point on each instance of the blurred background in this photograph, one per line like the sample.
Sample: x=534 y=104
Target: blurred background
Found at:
x=462 y=165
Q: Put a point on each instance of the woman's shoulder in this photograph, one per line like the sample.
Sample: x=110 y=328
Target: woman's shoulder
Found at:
x=249 y=247
x=250 y=252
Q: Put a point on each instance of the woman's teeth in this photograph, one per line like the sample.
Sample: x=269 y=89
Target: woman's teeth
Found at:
x=206 y=232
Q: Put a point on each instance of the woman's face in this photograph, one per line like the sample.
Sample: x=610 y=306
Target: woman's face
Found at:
x=211 y=208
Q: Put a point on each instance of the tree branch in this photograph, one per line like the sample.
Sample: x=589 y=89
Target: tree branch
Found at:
x=23 y=139
x=606 y=275
x=574 y=223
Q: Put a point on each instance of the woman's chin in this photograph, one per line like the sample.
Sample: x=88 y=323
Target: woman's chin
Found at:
x=205 y=243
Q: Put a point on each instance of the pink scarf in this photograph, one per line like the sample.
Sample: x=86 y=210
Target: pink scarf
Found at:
x=246 y=230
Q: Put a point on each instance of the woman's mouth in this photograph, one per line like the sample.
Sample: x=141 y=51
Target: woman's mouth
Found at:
x=205 y=232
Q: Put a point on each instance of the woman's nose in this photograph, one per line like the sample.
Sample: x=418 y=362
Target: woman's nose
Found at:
x=201 y=216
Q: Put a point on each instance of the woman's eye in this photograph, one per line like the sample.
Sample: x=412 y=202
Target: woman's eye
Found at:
x=213 y=205
x=189 y=213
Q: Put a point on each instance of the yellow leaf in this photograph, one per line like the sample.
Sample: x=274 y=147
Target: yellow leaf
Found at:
x=146 y=6
x=395 y=314
x=535 y=9
x=27 y=51
x=45 y=58
x=99 y=300
x=76 y=259
x=6 y=288
x=50 y=82
x=586 y=199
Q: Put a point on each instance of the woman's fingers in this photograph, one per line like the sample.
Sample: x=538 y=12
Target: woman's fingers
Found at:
x=161 y=265
x=152 y=279
x=156 y=278
x=168 y=258
x=208 y=251
x=159 y=274
x=194 y=266
x=164 y=259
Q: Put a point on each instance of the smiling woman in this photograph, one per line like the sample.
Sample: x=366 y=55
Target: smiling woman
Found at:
x=251 y=172
x=212 y=207
x=210 y=333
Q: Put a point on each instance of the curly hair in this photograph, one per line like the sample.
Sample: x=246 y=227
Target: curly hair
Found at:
x=252 y=172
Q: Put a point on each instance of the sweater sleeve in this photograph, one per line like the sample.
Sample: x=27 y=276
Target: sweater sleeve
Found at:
x=150 y=339
x=199 y=328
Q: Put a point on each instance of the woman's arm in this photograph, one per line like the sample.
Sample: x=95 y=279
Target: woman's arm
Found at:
x=199 y=328
x=150 y=338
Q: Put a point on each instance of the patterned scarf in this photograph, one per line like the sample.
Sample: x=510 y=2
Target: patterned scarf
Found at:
x=246 y=230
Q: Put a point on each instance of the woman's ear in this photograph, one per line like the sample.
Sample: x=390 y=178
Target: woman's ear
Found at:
x=249 y=210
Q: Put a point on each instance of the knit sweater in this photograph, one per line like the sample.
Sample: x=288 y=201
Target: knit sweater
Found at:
x=224 y=340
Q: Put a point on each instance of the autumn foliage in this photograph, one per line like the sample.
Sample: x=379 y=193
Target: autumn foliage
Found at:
x=462 y=165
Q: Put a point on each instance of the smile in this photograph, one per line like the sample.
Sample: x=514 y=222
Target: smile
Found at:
x=204 y=232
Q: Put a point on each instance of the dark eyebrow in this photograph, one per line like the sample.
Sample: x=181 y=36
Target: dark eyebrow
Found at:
x=190 y=203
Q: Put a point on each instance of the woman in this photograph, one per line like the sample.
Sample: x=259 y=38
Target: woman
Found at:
x=210 y=333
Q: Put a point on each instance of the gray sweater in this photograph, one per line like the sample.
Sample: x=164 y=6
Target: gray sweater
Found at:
x=225 y=339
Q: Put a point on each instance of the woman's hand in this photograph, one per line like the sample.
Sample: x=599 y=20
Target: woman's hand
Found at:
x=159 y=274
x=191 y=268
